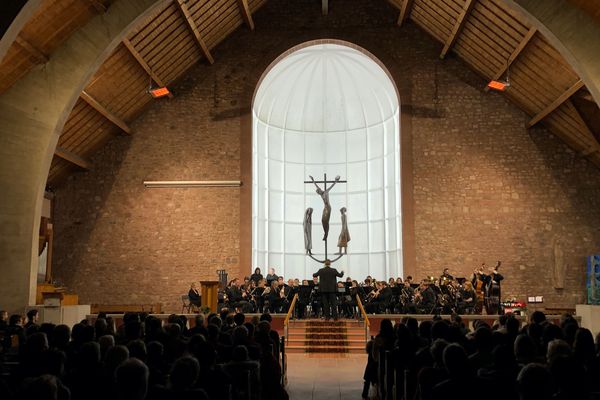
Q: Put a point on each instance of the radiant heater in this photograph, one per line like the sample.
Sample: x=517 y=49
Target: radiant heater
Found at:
x=159 y=92
x=498 y=85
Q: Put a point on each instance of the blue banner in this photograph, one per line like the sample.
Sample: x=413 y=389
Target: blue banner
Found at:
x=593 y=279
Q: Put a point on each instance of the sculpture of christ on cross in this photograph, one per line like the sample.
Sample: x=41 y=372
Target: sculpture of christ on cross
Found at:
x=324 y=193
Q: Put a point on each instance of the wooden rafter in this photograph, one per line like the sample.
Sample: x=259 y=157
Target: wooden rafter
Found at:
x=325 y=7
x=40 y=57
x=105 y=112
x=458 y=26
x=98 y=5
x=72 y=157
x=513 y=56
x=138 y=57
x=556 y=103
x=246 y=14
x=192 y=25
x=405 y=11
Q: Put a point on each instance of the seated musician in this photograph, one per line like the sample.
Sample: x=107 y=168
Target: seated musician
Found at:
x=195 y=296
x=237 y=298
x=344 y=300
x=380 y=298
x=427 y=298
x=277 y=299
x=468 y=299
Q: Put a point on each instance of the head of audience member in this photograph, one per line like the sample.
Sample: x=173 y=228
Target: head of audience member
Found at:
x=131 y=379
x=456 y=362
x=33 y=316
x=15 y=320
x=557 y=348
x=524 y=349
x=537 y=317
x=115 y=356
x=88 y=357
x=240 y=335
x=137 y=349
x=483 y=340
x=4 y=316
x=534 y=382
x=437 y=352
x=53 y=362
x=36 y=344
x=239 y=354
x=583 y=346
x=60 y=337
x=184 y=373
x=105 y=342
x=239 y=319
x=386 y=328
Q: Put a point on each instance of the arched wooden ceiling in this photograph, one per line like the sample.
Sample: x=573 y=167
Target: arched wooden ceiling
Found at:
x=487 y=34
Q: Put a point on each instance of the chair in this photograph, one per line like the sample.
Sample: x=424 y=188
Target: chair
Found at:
x=185 y=304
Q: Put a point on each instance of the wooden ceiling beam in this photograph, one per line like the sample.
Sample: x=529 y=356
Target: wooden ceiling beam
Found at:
x=98 y=5
x=458 y=26
x=192 y=25
x=325 y=7
x=138 y=57
x=405 y=11
x=556 y=103
x=513 y=56
x=39 y=56
x=105 y=112
x=72 y=158
x=246 y=14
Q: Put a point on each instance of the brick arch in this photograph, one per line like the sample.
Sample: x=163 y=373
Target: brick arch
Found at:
x=34 y=111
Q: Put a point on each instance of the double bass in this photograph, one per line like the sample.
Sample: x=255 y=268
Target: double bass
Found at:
x=478 y=282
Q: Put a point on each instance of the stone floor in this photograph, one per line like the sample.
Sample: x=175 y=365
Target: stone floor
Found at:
x=325 y=377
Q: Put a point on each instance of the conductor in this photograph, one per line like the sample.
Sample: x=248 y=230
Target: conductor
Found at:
x=328 y=287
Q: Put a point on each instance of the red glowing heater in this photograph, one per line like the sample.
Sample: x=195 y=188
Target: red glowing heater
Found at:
x=159 y=92
x=497 y=85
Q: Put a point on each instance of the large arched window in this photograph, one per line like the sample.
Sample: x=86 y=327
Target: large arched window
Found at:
x=327 y=108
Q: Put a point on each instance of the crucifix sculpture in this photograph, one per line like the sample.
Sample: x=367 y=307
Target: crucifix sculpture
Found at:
x=324 y=193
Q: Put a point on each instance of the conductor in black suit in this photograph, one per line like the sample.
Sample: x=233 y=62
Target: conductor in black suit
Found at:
x=328 y=289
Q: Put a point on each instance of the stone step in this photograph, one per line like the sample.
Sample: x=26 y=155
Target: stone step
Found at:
x=326 y=334
x=326 y=342
x=325 y=349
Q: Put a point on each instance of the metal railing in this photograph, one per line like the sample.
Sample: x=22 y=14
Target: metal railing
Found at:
x=286 y=321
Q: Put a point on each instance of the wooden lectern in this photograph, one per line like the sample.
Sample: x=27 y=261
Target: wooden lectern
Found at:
x=209 y=291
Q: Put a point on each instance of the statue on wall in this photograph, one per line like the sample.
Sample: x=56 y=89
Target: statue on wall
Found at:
x=344 y=234
x=559 y=267
x=326 y=206
x=308 y=230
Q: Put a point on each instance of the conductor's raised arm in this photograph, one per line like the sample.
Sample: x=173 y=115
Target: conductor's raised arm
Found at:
x=340 y=274
x=316 y=274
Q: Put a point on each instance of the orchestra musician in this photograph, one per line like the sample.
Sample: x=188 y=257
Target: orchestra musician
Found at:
x=492 y=290
x=256 y=276
x=467 y=299
x=446 y=277
x=478 y=282
x=195 y=296
x=425 y=299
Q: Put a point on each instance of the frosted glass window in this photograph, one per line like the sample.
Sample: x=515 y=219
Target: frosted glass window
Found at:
x=326 y=109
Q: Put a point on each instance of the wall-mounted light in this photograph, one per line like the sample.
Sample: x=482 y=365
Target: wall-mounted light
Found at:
x=190 y=184
x=159 y=92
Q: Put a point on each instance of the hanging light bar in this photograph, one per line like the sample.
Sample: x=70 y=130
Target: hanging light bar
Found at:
x=190 y=184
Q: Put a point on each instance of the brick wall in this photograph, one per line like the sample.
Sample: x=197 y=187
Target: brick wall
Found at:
x=485 y=188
